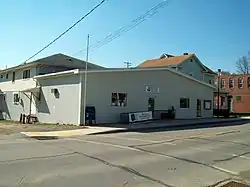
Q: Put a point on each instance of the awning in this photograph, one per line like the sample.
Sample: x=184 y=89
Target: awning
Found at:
x=33 y=90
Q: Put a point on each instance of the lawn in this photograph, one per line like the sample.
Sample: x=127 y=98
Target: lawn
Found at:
x=9 y=127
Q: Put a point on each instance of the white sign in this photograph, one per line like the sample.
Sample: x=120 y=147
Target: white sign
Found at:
x=140 y=116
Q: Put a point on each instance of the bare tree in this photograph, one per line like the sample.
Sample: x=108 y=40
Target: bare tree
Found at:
x=243 y=64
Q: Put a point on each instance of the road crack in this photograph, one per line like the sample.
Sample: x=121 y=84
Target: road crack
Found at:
x=126 y=169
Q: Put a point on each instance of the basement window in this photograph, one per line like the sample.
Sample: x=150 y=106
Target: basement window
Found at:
x=184 y=102
x=119 y=99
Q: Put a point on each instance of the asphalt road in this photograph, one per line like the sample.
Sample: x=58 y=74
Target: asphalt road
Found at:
x=191 y=157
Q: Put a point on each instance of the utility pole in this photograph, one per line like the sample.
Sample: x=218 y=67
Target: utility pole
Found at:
x=85 y=82
x=128 y=64
x=218 y=90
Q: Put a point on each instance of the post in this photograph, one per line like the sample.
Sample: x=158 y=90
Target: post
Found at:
x=85 y=82
x=218 y=90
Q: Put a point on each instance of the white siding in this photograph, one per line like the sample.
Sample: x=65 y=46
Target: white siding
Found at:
x=65 y=107
x=172 y=87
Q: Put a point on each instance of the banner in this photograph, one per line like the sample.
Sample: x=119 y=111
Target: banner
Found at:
x=140 y=116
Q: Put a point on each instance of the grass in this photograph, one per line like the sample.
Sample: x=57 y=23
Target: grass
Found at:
x=9 y=127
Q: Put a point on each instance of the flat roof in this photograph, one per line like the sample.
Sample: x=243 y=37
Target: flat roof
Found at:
x=113 y=70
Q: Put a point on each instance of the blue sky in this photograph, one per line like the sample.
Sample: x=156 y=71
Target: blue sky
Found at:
x=217 y=31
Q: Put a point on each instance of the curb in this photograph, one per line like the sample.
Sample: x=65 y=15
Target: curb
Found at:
x=55 y=133
x=169 y=126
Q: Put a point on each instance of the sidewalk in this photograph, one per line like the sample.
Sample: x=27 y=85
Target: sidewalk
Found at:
x=171 y=123
x=115 y=128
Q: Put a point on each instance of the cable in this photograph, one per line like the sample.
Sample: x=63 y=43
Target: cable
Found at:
x=126 y=28
x=71 y=27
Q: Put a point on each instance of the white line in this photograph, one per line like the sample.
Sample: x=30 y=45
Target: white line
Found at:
x=225 y=170
x=245 y=157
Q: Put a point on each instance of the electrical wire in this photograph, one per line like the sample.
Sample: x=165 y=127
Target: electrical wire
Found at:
x=71 y=27
x=118 y=33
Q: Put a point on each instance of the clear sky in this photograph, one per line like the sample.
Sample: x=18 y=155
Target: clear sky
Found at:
x=216 y=30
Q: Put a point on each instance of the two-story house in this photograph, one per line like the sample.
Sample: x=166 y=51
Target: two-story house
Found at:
x=186 y=63
x=19 y=79
x=237 y=87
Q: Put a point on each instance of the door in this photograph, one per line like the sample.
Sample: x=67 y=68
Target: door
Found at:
x=230 y=103
x=151 y=104
x=198 y=108
x=33 y=104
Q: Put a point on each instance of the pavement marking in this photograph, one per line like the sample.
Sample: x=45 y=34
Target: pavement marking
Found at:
x=241 y=156
x=225 y=170
x=149 y=152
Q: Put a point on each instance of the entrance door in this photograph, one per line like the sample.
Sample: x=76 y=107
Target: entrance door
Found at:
x=33 y=104
x=198 y=108
x=230 y=103
x=151 y=104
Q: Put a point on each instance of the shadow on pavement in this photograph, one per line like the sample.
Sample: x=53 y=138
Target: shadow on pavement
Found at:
x=149 y=126
x=44 y=137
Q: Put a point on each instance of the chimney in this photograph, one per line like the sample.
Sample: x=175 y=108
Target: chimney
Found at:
x=185 y=53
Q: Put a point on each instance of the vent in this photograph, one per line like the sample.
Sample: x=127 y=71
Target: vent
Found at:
x=185 y=53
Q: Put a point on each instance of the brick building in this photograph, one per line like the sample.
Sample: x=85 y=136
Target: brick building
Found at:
x=234 y=92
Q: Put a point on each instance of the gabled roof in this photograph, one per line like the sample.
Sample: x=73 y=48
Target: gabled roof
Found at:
x=55 y=60
x=166 y=60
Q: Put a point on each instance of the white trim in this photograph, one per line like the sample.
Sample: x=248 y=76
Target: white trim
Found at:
x=113 y=70
x=80 y=100
x=63 y=73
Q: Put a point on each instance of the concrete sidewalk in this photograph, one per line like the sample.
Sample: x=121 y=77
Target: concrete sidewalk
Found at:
x=115 y=128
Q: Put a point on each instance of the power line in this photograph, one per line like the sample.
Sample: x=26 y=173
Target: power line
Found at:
x=152 y=11
x=71 y=27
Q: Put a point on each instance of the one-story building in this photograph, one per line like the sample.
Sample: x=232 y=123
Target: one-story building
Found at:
x=59 y=97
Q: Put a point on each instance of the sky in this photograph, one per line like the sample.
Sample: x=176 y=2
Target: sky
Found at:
x=216 y=31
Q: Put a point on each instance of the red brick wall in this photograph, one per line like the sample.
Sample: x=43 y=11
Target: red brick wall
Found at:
x=242 y=106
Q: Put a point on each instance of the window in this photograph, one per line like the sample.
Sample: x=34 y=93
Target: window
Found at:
x=207 y=104
x=184 y=103
x=26 y=74
x=1 y=76
x=191 y=60
x=248 y=82
x=231 y=83
x=210 y=81
x=222 y=101
x=7 y=76
x=16 y=98
x=222 y=85
x=240 y=82
x=238 y=98
x=13 y=76
x=119 y=99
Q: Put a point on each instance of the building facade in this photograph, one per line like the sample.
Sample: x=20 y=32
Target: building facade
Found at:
x=237 y=87
x=188 y=64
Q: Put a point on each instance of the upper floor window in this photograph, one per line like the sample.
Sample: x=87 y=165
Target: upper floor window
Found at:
x=231 y=83
x=240 y=82
x=13 y=76
x=26 y=74
x=222 y=83
x=248 y=82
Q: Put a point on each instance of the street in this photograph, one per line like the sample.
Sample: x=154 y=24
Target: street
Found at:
x=164 y=157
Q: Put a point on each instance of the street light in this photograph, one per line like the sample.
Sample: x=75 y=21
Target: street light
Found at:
x=218 y=92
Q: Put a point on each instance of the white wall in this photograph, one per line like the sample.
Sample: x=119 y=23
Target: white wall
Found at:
x=172 y=87
x=61 y=108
